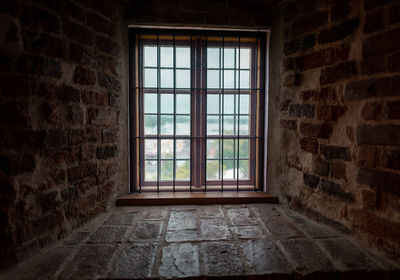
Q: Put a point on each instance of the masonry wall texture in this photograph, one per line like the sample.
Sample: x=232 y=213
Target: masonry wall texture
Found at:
x=62 y=123
x=334 y=115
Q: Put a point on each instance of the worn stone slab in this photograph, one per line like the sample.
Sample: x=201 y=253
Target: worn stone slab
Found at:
x=261 y=210
x=146 y=231
x=306 y=256
x=241 y=217
x=121 y=219
x=180 y=260
x=214 y=229
x=210 y=211
x=135 y=261
x=182 y=221
x=109 y=235
x=222 y=259
x=247 y=232
x=183 y=207
x=154 y=213
x=76 y=237
x=89 y=263
x=349 y=255
x=280 y=227
x=182 y=236
x=264 y=258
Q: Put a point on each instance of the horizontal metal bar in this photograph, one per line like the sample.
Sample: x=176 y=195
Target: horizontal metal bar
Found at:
x=182 y=137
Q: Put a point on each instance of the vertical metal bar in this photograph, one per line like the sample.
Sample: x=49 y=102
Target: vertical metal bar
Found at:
x=140 y=91
x=223 y=98
x=205 y=117
x=174 y=141
x=234 y=111
x=158 y=116
x=255 y=116
x=238 y=129
x=191 y=113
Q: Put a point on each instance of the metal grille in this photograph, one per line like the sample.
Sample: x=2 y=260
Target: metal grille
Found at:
x=196 y=110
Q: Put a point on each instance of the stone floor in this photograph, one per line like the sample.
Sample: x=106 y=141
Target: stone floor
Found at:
x=257 y=241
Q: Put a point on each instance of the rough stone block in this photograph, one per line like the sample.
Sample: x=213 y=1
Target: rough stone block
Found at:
x=338 y=32
x=146 y=231
x=336 y=190
x=335 y=152
x=240 y=217
x=222 y=259
x=180 y=260
x=311 y=181
x=214 y=229
x=182 y=221
x=109 y=235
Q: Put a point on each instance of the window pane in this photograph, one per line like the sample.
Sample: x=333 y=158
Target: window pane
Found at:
x=244 y=148
x=213 y=149
x=150 y=78
x=182 y=125
x=183 y=78
x=229 y=103
x=167 y=78
x=182 y=170
x=244 y=58
x=150 y=56
x=183 y=103
x=228 y=148
x=183 y=149
x=229 y=79
x=244 y=79
x=229 y=169
x=212 y=125
x=212 y=169
x=167 y=56
x=212 y=104
x=150 y=170
x=228 y=125
x=167 y=149
x=167 y=103
x=167 y=170
x=150 y=147
x=167 y=125
x=244 y=169
x=150 y=103
x=213 y=79
x=150 y=125
x=183 y=57
x=213 y=58
x=229 y=57
x=244 y=103
x=244 y=125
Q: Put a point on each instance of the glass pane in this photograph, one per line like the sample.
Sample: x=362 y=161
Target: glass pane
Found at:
x=244 y=58
x=229 y=169
x=229 y=57
x=213 y=58
x=244 y=169
x=244 y=125
x=182 y=78
x=150 y=170
x=183 y=149
x=150 y=78
x=182 y=170
x=150 y=56
x=244 y=79
x=150 y=124
x=229 y=79
x=167 y=149
x=183 y=57
x=212 y=169
x=150 y=148
x=212 y=125
x=167 y=78
x=182 y=125
x=212 y=104
x=213 y=149
x=167 y=125
x=212 y=78
x=229 y=125
x=167 y=103
x=244 y=104
x=167 y=169
x=167 y=56
x=183 y=103
x=228 y=148
x=150 y=103
x=229 y=103
x=244 y=148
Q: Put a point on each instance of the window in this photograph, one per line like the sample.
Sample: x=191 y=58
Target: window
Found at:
x=196 y=110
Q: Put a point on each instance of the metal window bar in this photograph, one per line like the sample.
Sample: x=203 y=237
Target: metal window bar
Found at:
x=158 y=116
x=255 y=128
x=174 y=141
x=238 y=122
x=223 y=118
x=139 y=106
x=205 y=130
x=191 y=112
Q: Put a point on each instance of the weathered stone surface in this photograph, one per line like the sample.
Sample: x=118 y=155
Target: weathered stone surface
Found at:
x=221 y=259
x=146 y=231
x=182 y=236
x=241 y=217
x=183 y=207
x=180 y=260
x=280 y=227
x=154 y=213
x=264 y=210
x=307 y=257
x=214 y=229
x=182 y=221
x=135 y=262
x=248 y=232
x=76 y=237
x=121 y=219
x=263 y=257
x=89 y=262
x=210 y=211
x=109 y=235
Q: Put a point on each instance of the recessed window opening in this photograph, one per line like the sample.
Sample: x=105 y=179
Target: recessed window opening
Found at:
x=197 y=110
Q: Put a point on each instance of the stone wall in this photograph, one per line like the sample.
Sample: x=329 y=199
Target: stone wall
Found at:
x=334 y=146
x=62 y=157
